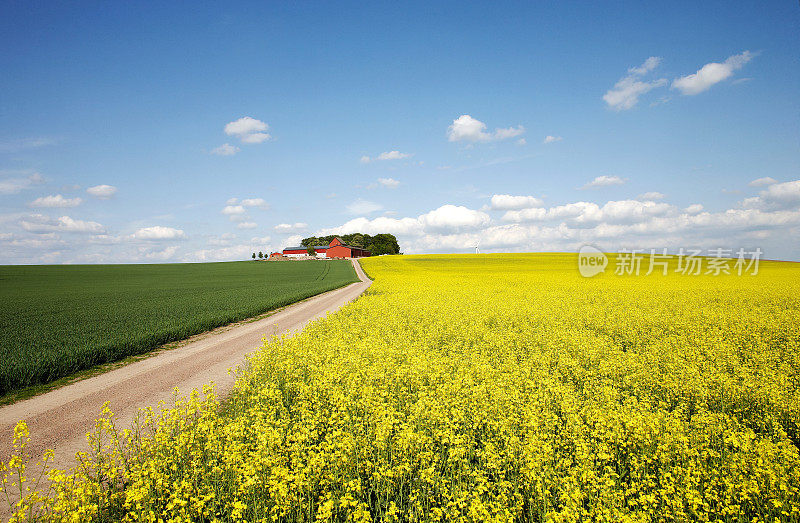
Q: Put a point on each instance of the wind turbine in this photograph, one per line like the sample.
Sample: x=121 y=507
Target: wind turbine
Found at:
x=476 y=247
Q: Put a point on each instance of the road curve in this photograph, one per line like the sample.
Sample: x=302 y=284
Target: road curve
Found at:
x=60 y=419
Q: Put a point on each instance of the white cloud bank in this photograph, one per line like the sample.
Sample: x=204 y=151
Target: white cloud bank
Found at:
x=769 y=219
x=711 y=74
x=465 y=128
x=551 y=139
x=772 y=219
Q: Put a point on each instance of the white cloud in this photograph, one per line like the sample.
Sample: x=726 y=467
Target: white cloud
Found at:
x=551 y=139
x=245 y=125
x=393 y=155
x=260 y=239
x=225 y=149
x=382 y=224
x=15 y=185
x=775 y=197
x=293 y=241
x=246 y=225
x=711 y=74
x=388 y=155
x=626 y=92
x=255 y=138
x=290 y=227
x=255 y=202
x=55 y=200
x=510 y=132
x=694 y=208
x=761 y=182
x=652 y=195
x=454 y=217
x=248 y=130
x=158 y=232
x=102 y=192
x=233 y=210
x=361 y=206
x=604 y=181
x=505 y=202
x=235 y=207
x=389 y=183
x=468 y=129
x=581 y=214
x=648 y=65
x=40 y=223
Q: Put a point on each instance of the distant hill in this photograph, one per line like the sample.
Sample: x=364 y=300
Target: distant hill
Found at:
x=378 y=244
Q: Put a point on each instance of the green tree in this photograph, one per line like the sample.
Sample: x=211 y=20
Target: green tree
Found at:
x=260 y=254
x=254 y=256
x=310 y=250
x=357 y=240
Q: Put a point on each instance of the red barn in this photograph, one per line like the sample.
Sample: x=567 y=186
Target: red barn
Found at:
x=337 y=249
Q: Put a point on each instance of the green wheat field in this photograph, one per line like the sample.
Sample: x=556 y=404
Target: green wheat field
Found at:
x=58 y=320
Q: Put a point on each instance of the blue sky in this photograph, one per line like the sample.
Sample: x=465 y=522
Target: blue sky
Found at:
x=671 y=125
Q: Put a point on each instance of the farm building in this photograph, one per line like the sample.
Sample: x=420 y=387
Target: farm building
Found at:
x=336 y=249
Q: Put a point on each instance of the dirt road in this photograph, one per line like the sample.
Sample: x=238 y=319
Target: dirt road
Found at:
x=61 y=418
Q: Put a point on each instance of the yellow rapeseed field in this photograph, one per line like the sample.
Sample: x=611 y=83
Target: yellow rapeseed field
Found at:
x=482 y=388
